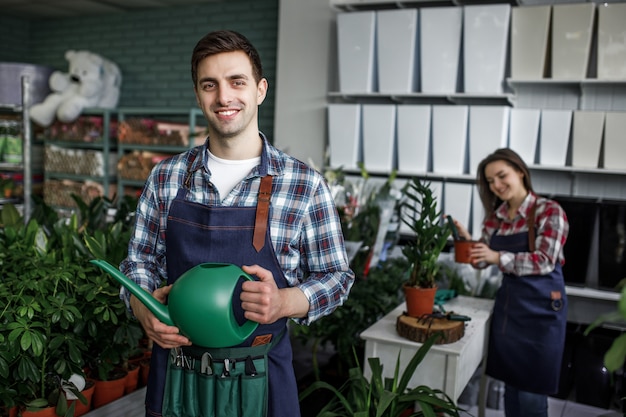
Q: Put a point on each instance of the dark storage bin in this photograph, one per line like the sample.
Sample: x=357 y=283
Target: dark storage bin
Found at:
x=573 y=338
x=594 y=383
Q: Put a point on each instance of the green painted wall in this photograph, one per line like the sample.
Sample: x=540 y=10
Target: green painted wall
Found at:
x=152 y=48
x=14 y=36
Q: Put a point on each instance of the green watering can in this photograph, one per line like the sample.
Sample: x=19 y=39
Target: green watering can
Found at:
x=199 y=304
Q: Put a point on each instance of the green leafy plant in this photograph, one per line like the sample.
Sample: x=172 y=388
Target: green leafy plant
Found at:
x=420 y=213
x=385 y=397
x=375 y=291
x=370 y=299
x=112 y=336
x=58 y=312
x=40 y=312
x=616 y=354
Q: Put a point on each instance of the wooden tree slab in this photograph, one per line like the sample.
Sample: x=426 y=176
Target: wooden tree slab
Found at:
x=418 y=330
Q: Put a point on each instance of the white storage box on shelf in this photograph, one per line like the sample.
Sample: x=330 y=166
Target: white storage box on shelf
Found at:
x=440 y=49
x=449 y=139
x=614 y=143
x=356 y=52
x=398 y=67
x=485 y=42
x=554 y=137
x=587 y=130
x=488 y=130
x=571 y=40
x=457 y=201
x=530 y=27
x=524 y=132
x=611 y=63
x=413 y=135
x=478 y=214
x=379 y=137
x=344 y=135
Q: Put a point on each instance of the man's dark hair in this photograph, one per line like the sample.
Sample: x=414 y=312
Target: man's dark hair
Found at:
x=225 y=41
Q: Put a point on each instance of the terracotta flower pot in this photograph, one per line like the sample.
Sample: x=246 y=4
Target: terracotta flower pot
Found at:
x=132 y=379
x=45 y=412
x=462 y=250
x=10 y=412
x=81 y=408
x=109 y=391
x=419 y=301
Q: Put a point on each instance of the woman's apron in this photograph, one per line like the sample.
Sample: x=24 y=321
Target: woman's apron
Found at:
x=197 y=233
x=528 y=325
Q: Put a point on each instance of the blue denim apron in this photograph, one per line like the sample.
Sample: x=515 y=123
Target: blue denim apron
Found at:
x=197 y=233
x=527 y=333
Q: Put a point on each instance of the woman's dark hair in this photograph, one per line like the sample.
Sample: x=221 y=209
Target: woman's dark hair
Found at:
x=225 y=41
x=489 y=200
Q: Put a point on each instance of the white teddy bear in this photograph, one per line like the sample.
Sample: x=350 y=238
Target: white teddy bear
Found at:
x=92 y=81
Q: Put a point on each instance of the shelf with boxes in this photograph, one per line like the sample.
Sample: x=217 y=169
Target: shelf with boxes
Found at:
x=80 y=158
x=429 y=89
x=148 y=135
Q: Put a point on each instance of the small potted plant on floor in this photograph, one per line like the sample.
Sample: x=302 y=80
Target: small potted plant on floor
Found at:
x=385 y=397
x=419 y=211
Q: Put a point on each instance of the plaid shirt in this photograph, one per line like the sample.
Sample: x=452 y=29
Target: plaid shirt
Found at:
x=551 y=229
x=304 y=225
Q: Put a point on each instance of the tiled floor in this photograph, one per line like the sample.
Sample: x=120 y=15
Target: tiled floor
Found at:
x=132 y=406
x=556 y=408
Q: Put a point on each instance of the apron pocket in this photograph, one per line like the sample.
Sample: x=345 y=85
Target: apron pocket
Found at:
x=173 y=398
x=254 y=395
x=227 y=396
x=206 y=395
x=190 y=394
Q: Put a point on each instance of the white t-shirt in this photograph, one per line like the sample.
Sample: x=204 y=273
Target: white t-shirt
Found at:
x=227 y=173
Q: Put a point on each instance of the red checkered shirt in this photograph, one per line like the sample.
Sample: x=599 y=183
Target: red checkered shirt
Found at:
x=551 y=229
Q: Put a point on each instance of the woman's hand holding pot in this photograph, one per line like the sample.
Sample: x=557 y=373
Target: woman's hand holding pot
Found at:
x=481 y=255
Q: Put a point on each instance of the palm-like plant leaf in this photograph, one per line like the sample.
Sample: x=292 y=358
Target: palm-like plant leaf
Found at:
x=380 y=397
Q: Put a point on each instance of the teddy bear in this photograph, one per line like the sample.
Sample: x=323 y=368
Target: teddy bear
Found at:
x=92 y=81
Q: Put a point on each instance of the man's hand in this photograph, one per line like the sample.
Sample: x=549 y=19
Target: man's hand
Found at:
x=165 y=336
x=264 y=303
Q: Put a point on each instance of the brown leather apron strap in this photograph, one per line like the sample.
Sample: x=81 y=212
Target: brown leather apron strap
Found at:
x=262 y=213
x=530 y=222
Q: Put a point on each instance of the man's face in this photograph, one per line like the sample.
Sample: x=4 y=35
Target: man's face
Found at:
x=228 y=94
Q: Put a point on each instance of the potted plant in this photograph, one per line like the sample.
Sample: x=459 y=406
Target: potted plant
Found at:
x=57 y=310
x=360 y=204
x=370 y=299
x=112 y=336
x=420 y=213
x=40 y=347
x=385 y=397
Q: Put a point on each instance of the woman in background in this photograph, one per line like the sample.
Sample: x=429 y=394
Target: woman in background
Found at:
x=523 y=234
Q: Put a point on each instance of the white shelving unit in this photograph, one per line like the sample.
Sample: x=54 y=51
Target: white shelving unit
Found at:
x=542 y=94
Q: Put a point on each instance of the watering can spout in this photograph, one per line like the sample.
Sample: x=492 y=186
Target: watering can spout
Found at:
x=159 y=310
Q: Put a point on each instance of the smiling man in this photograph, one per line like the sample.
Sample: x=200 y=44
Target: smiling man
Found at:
x=238 y=200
